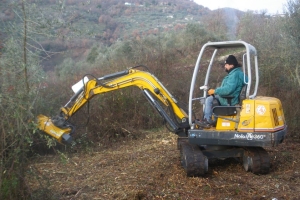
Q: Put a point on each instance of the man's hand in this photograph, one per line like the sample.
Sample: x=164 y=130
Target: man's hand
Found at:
x=211 y=92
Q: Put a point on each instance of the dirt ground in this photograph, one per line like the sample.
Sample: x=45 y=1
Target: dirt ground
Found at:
x=149 y=168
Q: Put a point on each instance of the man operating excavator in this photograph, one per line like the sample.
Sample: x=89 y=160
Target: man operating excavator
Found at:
x=232 y=85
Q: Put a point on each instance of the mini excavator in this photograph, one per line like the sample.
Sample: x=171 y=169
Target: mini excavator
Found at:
x=241 y=131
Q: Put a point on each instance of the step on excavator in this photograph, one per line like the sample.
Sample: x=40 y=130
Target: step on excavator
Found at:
x=241 y=131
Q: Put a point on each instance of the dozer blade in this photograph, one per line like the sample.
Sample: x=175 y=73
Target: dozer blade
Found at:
x=45 y=124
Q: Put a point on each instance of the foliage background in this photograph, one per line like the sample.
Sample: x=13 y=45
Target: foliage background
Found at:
x=42 y=55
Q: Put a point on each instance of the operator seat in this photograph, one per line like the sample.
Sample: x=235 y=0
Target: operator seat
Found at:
x=229 y=110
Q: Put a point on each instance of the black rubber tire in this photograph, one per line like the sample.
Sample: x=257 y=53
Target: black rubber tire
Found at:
x=193 y=160
x=256 y=160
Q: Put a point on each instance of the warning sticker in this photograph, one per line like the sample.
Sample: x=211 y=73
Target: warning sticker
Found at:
x=261 y=110
x=248 y=108
x=225 y=123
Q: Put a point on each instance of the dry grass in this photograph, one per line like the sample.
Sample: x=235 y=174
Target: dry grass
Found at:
x=149 y=168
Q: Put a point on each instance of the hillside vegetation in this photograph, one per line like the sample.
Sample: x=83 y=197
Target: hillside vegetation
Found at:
x=47 y=46
x=81 y=25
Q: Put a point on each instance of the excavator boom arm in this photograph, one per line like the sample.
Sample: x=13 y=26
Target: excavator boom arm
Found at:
x=59 y=128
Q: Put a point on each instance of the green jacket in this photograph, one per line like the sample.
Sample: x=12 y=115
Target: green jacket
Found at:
x=232 y=85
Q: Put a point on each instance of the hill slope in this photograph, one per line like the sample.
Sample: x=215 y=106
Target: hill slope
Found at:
x=78 y=25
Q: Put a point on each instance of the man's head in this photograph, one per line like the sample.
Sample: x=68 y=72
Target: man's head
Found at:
x=230 y=63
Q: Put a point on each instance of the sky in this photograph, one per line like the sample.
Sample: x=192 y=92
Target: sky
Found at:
x=272 y=6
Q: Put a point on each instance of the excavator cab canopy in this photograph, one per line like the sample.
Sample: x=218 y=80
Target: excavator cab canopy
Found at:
x=249 y=66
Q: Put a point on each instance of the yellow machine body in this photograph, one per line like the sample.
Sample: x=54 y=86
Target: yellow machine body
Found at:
x=261 y=114
x=225 y=124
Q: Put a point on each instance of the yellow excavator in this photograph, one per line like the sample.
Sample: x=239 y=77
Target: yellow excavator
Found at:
x=241 y=131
